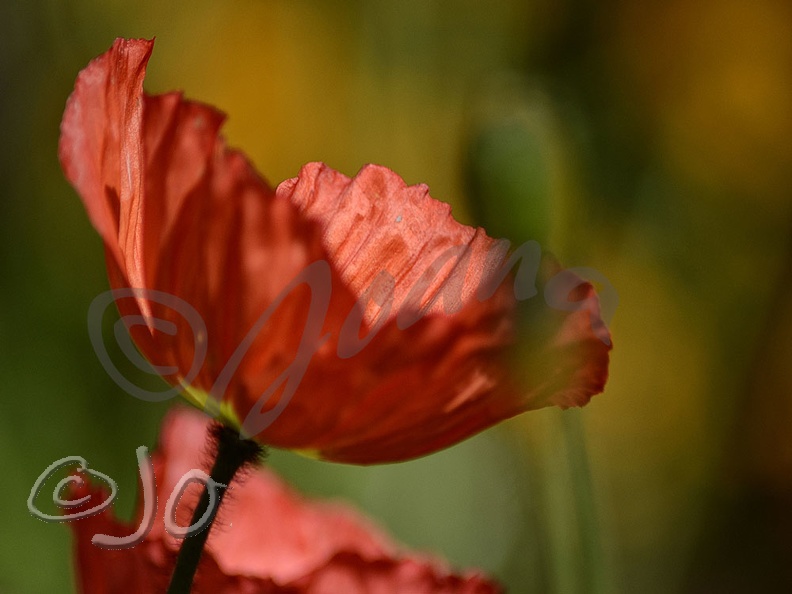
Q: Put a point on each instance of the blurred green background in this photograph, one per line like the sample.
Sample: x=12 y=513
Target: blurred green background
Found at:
x=650 y=141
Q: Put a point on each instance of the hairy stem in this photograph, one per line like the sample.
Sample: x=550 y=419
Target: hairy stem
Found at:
x=233 y=453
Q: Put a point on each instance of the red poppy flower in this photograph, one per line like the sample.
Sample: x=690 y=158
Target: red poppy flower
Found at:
x=353 y=319
x=266 y=538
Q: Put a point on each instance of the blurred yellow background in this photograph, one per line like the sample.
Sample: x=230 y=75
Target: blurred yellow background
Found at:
x=651 y=141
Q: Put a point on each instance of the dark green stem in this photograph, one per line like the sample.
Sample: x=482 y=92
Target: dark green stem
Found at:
x=233 y=453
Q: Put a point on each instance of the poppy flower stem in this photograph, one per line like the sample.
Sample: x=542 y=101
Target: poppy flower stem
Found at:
x=233 y=453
